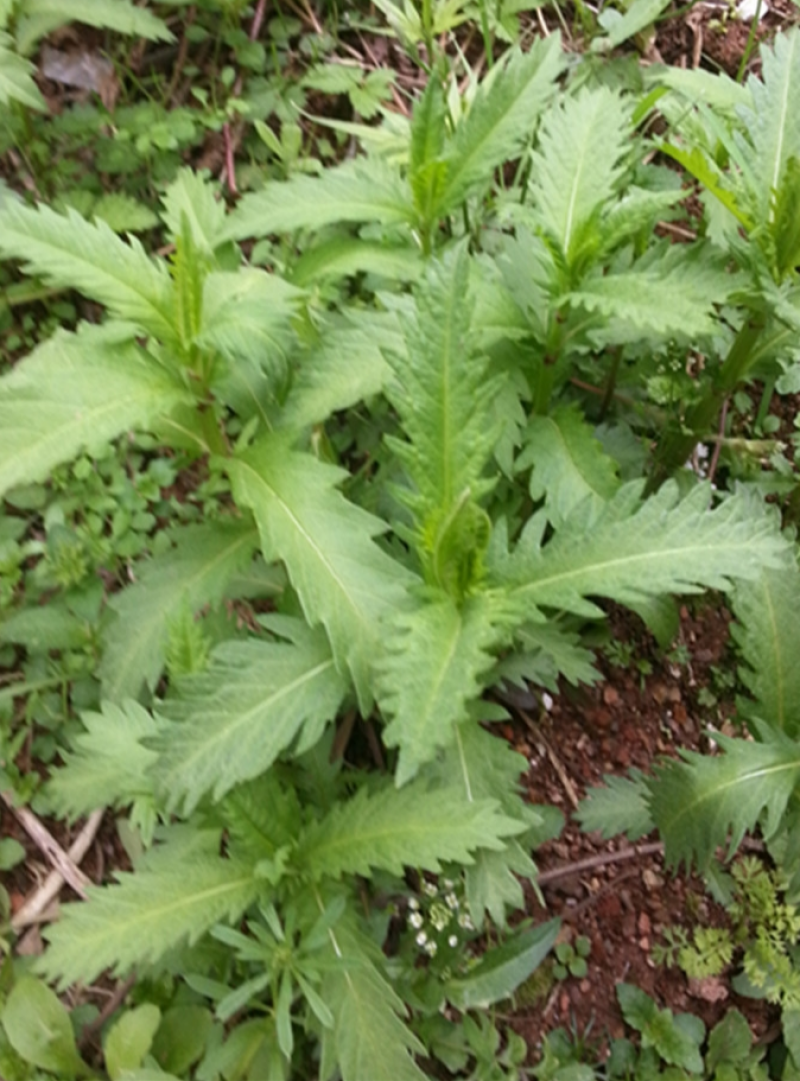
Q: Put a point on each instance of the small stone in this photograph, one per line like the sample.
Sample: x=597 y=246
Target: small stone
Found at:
x=644 y=924
x=644 y=943
x=611 y=696
x=652 y=880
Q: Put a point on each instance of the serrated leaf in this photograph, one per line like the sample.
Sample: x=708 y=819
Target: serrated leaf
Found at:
x=773 y=123
x=578 y=164
x=436 y=656
x=76 y=391
x=634 y=549
x=369 y=1039
x=196 y=571
x=16 y=77
x=233 y=721
x=545 y=652
x=569 y=464
x=346 y=366
x=67 y=251
x=344 y=581
x=108 y=764
x=442 y=393
x=355 y=192
x=123 y=213
x=669 y=291
x=246 y=315
x=501 y=117
x=620 y=806
x=42 y=16
x=190 y=202
x=178 y=895
x=704 y=802
x=767 y=631
x=393 y=828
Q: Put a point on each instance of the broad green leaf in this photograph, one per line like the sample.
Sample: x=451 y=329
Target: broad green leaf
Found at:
x=181 y=1038
x=354 y=192
x=638 y=17
x=344 y=581
x=346 y=256
x=123 y=213
x=569 y=464
x=767 y=631
x=493 y=885
x=443 y=395
x=393 y=828
x=702 y=803
x=346 y=366
x=178 y=895
x=129 y=1039
x=436 y=656
x=620 y=806
x=51 y=626
x=16 y=77
x=502 y=116
x=578 y=164
x=773 y=124
x=76 y=391
x=67 y=251
x=369 y=1039
x=190 y=202
x=633 y=550
x=731 y=1039
x=193 y=573
x=503 y=968
x=669 y=291
x=42 y=16
x=108 y=766
x=246 y=314
x=38 y=1027
x=254 y=701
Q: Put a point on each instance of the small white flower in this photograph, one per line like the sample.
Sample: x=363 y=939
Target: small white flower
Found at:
x=547 y=701
x=451 y=901
x=452 y=941
x=431 y=949
x=448 y=883
x=415 y=919
x=421 y=938
x=413 y=903
x=430 y=889
x=465 y=922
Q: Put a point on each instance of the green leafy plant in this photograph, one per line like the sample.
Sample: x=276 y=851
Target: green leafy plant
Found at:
x=570 y=958
x=391 y=571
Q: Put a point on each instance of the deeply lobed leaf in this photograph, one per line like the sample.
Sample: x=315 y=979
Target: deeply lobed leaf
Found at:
x=767 y=631
x=196 y=571
x=633 y=550
x=67 y=251
x=77 y=391
x=394 y=828
x=704 y=802
x=344 y=581
x=231 y=722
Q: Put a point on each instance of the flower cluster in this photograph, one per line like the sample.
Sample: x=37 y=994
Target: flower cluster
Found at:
x=440 y=921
